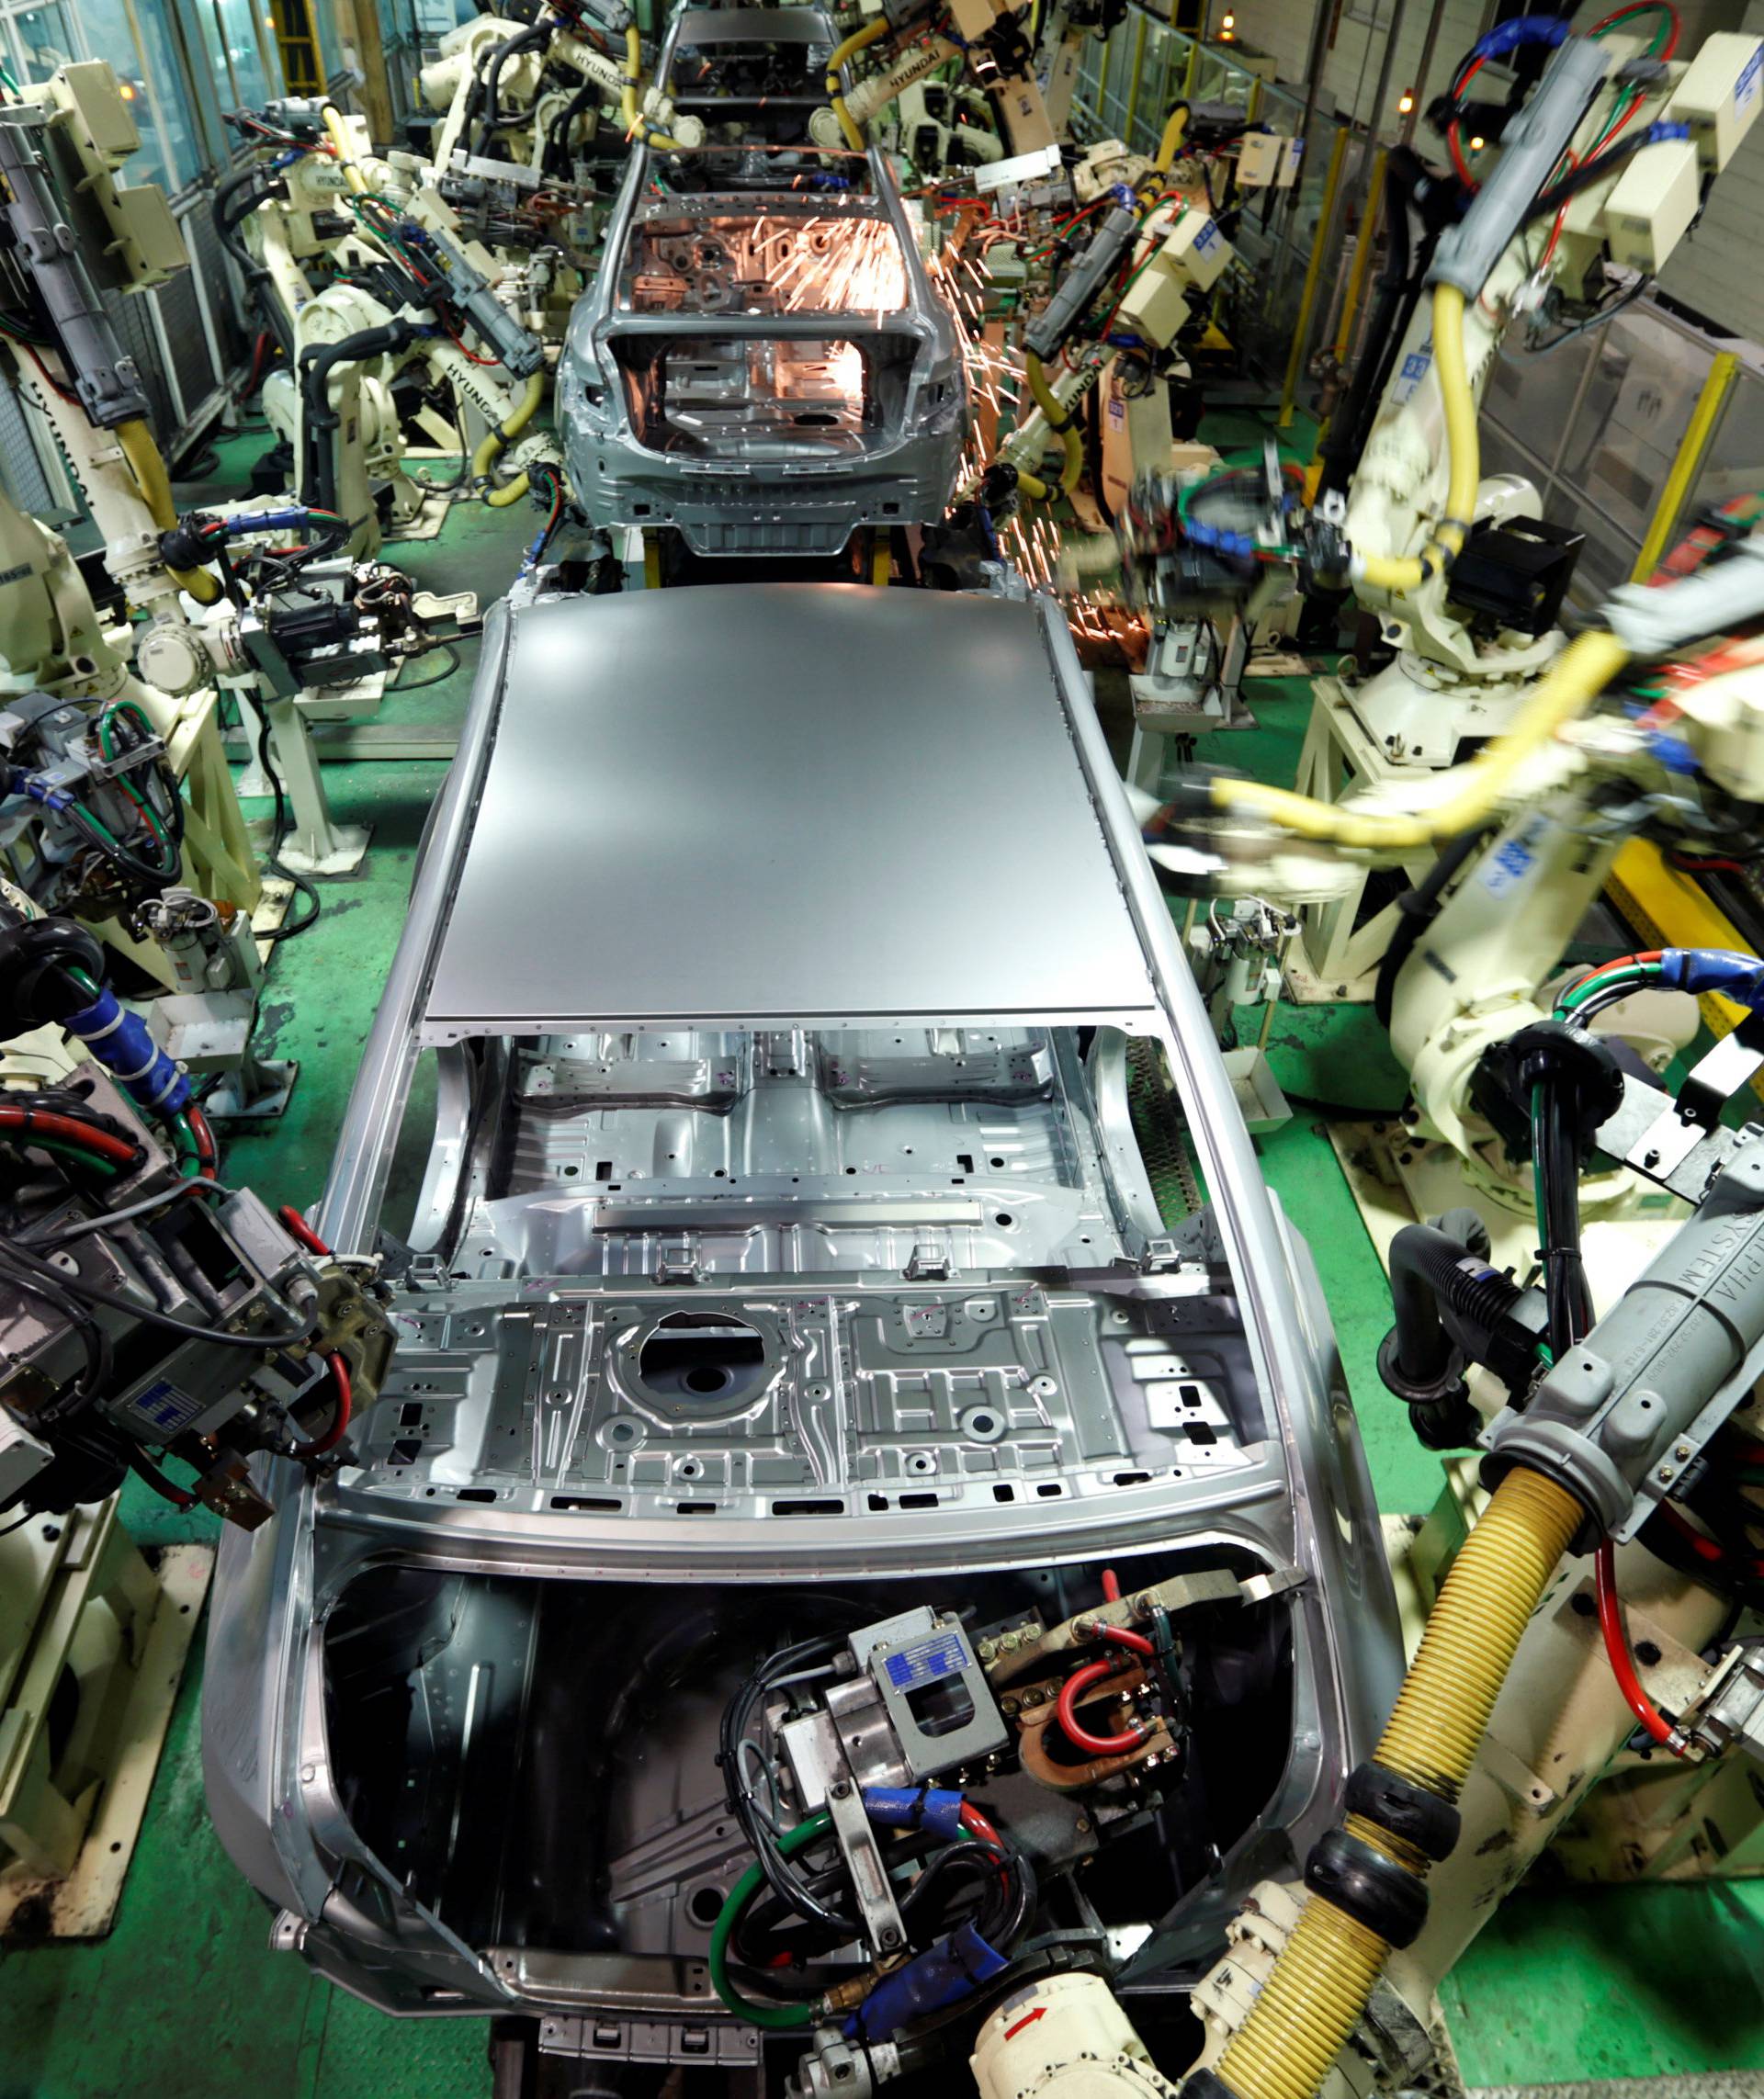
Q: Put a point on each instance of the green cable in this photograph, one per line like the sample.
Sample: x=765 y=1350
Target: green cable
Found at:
x=723 y=1930
x=190 y=1153
x=168 y=852
x=1661 y=31
x=1637 y=975
x=24 y=1139
x=82 y=980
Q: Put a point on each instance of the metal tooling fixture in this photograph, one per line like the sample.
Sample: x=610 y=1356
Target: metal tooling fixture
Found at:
x=103 y=375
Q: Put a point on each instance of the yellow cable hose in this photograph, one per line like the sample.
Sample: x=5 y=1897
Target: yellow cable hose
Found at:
x=1567 y=690
x=1032 y=486
x=872 y=32
x=1324 y=1975
x=1057 y=421
x=484 y=457
x=155 y=485
x=1172 y=140
x=637 y=125
x=1463 y=452
x=346 y=160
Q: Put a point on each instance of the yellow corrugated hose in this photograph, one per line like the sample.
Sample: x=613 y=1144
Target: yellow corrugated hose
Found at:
x=1463 y=452
x=1171 y=139
x=1057 y=421
x=1565 y=692
x=637 y=126
x=484 y=457
x=345 y=148
x=1325 y=1973
x=155 y=485
x=872 y=32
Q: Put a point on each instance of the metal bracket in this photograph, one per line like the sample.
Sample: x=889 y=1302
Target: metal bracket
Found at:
x=864 y=1861
x=1681 y=1144
x=929 y=1263
x=1695 y=1115
x=678 y=1263
x=1159 y=1254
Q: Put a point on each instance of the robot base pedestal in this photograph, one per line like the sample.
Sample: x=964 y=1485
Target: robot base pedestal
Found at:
x=329 y=849
x=1420 y=715
x=1336 y=956
x=257 y=1092
x=1397 y=1178
x=78 y=1595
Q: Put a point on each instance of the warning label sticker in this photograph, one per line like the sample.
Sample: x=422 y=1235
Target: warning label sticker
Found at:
x=943 y=1654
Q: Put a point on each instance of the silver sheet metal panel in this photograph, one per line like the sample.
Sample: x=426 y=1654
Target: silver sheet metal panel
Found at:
x=782 y=802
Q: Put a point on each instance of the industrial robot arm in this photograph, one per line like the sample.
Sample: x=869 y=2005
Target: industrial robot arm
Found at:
x=988 y=35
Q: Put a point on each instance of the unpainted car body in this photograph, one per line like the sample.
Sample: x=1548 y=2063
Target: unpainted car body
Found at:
x=763 y=364
x=799 y=1006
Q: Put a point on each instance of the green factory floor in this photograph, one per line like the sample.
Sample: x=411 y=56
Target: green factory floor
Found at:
x=185 y=2000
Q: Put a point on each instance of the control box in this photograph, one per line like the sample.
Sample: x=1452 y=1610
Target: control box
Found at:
x=1651 y=204
x=1720 y=96
x=1196 y=248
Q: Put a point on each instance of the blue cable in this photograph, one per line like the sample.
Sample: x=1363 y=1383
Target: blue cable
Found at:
x=1699 y=969
x=1523 y=30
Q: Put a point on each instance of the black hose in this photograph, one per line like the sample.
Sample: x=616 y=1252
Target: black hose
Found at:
x=521 y=41
x=1345 y=439
x=278 y=834
x=1441 y=1271
x=318 y=479
x=259 y=284
x=1586 y=174
x=1415 y=910
x=1425 y=1272
x=1555 y=1162
x=1093 y=452
x=556 y=156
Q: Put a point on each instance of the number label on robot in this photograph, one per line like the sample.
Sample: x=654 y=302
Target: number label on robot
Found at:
x=1514 y=858
x=1413 y=372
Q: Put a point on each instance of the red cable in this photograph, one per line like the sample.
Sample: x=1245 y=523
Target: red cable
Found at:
x=346 y=1400
x=45 y=1122
x=1458 y=161
x=1646 y=7
x=978 y=1824
x=208 y=1152
x=476 y=359
x=298 y=1228
x=1611 y=1623
x=1077 y=1733
x=1111 y=1586
x=1122 y=1636
x=1700 y=1543
x=1451 y=140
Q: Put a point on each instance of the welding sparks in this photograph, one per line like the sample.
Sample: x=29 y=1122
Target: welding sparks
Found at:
x=775 y=263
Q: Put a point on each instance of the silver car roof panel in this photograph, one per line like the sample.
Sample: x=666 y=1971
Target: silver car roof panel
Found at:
x=879 y=818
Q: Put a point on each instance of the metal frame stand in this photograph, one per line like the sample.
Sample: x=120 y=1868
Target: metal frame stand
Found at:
x=316 y=842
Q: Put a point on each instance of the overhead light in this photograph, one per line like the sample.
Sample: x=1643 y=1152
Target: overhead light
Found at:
x=1477 y=145
x=1228 y=27
x=1405 y=102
